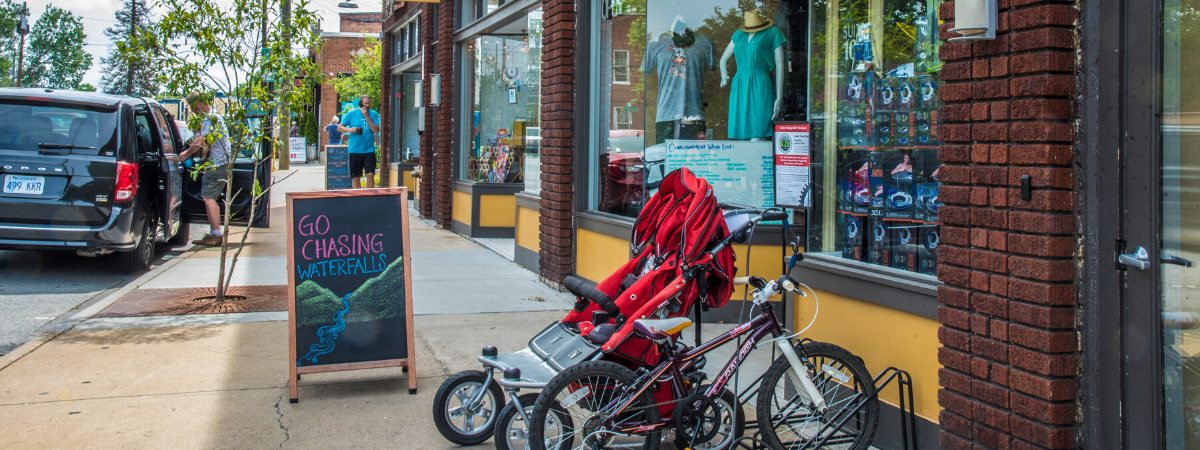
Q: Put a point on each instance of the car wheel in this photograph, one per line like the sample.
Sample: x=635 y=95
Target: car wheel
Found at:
x=138 y=259
x=181 y=237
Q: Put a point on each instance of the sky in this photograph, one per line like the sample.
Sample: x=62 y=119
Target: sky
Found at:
x=100 y=14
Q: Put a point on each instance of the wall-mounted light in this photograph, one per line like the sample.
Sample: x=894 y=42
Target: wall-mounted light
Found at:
x=435 y=89
x=974 y=20
x=420 y=97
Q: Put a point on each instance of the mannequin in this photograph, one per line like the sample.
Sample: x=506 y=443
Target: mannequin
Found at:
x=679 y=57
x=750 y=94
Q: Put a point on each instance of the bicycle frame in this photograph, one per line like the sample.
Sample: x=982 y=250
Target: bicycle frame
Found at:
x=757 y=327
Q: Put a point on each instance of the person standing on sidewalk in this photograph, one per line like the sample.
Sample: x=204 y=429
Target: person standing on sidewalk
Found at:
x=335 y=136
x=212 y=183
x=361 y=125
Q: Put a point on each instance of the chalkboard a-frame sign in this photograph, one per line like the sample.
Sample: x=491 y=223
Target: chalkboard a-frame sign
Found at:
x=350 y=283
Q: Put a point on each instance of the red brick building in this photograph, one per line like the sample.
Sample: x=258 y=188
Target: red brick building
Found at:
x=338 y=48
x=1050 y=301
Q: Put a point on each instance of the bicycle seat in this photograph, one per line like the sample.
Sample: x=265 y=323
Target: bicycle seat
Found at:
x=659 y=329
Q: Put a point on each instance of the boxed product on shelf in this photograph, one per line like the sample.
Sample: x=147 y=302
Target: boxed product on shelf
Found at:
x=843 y=180
x=884 y=96
x=854 y=130
x=924 y=133
x=905 y=246
x=927 y=250
x=904 y=128
x=899 y=189
x=878 y=188
x=927 y=90
x=884 y=127
x=926 y=203
x=858 y=176
x=856 y=88
x=906 y=93
x=852 y=237
x=879 y=242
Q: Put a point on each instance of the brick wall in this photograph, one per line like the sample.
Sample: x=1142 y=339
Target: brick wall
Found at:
x=557 y=153
x=1008 y=307
x=444 y=177
x=387 y=102
x=369 y=22
x=426 y=157
x=334 y=58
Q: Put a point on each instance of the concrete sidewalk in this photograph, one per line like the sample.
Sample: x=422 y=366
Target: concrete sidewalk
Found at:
x=220 y=380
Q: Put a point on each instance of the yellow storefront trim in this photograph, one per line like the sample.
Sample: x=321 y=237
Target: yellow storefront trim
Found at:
x=883 y=337
x=497 y=211
x=411 y=184
x=599 y=255
x=528 y=221
x=460 y=208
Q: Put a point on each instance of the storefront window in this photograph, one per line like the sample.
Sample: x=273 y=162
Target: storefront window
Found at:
x=873 y=104
x=410 y=141
x=502 y=131
x=697 y=84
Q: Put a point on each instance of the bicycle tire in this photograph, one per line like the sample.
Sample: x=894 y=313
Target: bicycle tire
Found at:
x=576 y=415
x=839 y=377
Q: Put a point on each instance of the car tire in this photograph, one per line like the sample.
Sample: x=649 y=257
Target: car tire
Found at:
x=138 y=259
x=181 y=237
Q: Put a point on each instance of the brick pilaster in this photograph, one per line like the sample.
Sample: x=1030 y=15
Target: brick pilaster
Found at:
x=557 y=152
x=425 y=159
x=1008 y=307
x=445 y=175
x=387 y=49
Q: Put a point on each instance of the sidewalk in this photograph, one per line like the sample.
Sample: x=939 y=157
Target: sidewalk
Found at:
x=220 y=380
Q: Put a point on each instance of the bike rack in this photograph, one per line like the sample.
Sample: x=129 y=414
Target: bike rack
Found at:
x=908 y=417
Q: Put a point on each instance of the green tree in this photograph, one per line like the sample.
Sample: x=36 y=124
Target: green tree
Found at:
x=10 y=13
x=115 y=78
x=55 y=57
x=366 y=79
x=235 y=46
x=86 y=88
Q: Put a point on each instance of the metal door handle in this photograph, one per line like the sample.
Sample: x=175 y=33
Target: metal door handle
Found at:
x=1139 y=259
x=1172 y=259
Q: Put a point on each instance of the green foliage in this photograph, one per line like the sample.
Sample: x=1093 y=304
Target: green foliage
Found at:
x=366 y=79
x=55 y=57
x=115 y=75
x=309 y=128
x=86 y=88
x=381 y=297
x=10 y=13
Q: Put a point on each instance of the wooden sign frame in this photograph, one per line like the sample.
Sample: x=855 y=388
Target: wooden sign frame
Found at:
x=408 y=363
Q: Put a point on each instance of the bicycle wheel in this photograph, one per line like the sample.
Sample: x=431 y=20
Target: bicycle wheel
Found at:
x=581 y=398
x=787 y=418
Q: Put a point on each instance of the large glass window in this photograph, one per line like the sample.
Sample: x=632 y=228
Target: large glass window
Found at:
x=873 y=104
x=697 y=84
x=700 y=84
x=410 y=141
x=502 y=132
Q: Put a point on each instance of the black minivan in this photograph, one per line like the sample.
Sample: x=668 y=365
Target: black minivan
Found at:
x=88 y=172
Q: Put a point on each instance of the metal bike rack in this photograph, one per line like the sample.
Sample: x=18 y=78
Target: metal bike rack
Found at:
x=908 y=417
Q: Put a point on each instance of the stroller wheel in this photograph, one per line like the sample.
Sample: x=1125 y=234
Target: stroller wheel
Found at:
x=460 y=421
x=513 y=434
x=729 y=426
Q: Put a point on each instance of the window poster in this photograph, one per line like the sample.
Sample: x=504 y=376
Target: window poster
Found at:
x=793 y=172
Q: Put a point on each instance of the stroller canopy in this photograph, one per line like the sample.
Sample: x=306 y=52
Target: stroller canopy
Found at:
x=677 y=226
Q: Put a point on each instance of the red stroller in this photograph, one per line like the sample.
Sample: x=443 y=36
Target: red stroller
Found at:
x=675 y=228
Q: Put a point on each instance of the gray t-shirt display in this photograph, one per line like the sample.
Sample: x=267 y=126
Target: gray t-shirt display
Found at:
x=680 y=76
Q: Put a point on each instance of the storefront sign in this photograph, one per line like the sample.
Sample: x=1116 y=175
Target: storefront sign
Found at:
x=739 y=171
x=296 y=151
x=337 y=167
x=350 y=282
x=793 y=173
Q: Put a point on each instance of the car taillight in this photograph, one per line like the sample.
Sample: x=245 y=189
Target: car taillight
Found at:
x=126 y=181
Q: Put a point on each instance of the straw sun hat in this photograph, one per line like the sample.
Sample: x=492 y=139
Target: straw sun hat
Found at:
x=755 y=22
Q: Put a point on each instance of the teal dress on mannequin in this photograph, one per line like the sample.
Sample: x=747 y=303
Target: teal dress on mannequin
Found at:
x=752 y=95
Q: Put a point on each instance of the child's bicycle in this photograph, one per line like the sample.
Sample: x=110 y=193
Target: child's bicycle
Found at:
x=816 y=395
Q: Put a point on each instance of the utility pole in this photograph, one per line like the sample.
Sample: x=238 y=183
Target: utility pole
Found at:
x=285 y=122
x=22 y=29
x=132 y=35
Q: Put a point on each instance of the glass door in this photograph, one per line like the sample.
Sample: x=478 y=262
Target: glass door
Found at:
x=1179 y=217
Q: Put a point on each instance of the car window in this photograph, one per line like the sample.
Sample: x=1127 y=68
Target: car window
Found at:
x=143 y=133
x=40 y=125
x=168 y=140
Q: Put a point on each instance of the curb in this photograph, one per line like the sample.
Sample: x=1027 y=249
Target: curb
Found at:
x=95 y=308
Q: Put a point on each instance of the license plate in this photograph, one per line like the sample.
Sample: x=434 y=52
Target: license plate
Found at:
x=17 y=184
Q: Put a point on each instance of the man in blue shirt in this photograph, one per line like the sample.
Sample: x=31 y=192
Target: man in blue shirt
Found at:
x=361 y=124
x=335 y=136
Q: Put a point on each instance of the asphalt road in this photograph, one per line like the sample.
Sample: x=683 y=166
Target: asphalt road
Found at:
x=38 y=287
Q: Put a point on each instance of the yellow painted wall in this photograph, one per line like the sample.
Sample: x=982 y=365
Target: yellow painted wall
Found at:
x=528 y=236
x=598 y=255
x=765 y=261
x=883 y=337
x=497 y=211
x=393 y=177
x=411 y=184
x=460 y=207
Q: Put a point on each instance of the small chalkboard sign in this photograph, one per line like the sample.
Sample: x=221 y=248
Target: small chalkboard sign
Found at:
x=350 y=282
x=337 y=167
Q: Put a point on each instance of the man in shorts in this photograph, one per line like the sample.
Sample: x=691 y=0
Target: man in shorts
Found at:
x=214 y=180
x=361 y=125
